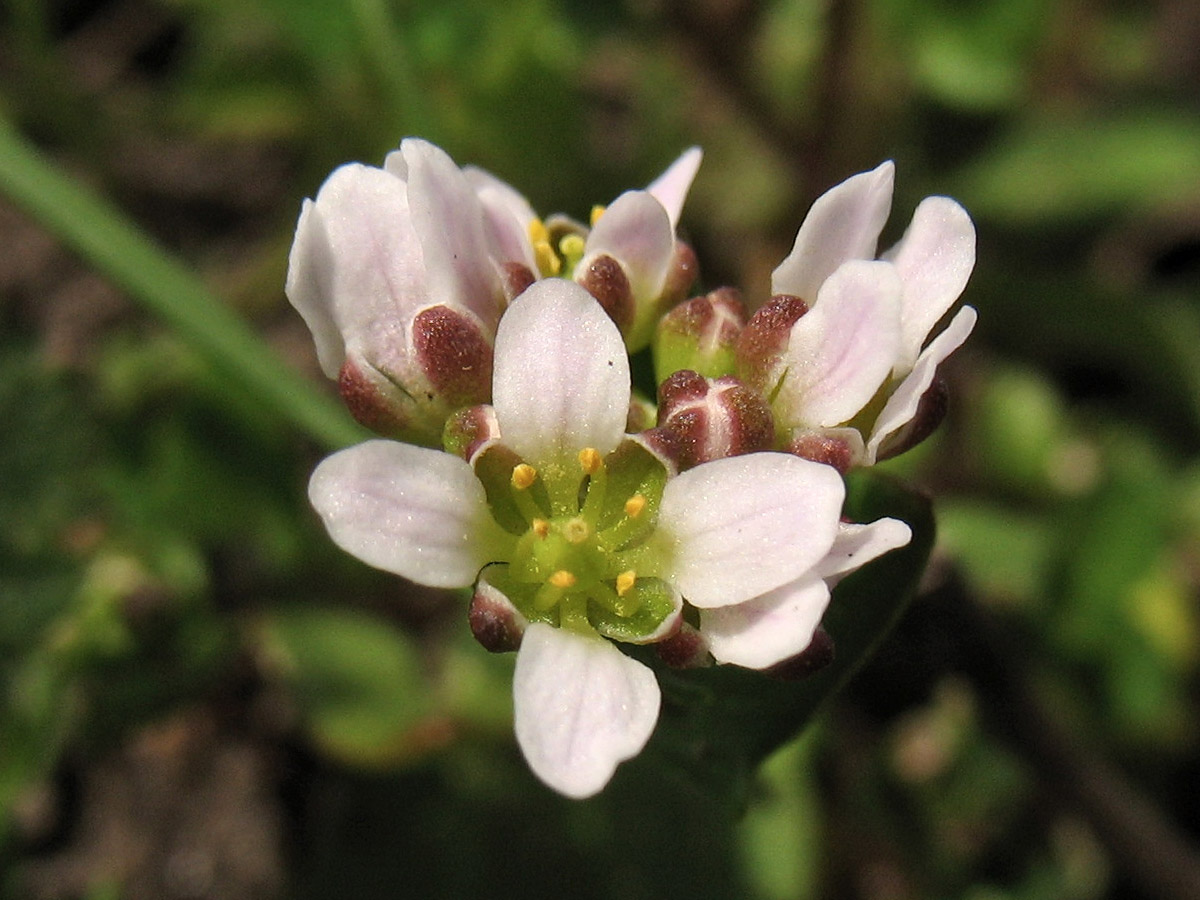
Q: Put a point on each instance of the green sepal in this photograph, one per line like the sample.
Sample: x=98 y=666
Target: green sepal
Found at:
x=655 y=602
x=632 y=469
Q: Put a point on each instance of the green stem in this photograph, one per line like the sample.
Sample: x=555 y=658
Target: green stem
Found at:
x=165 y=286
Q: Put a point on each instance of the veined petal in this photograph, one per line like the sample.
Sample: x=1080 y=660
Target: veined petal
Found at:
x=356 y=271
x=636 y=231
x=561 y=377
x=416 y=512
x=902 y=405
x=843 y=224
x=767 y=629
x=856 y=545
x=581 y=707
x=841 y=351
x=741 y=526
x=449 y=221
x=934 y=258
x=672 y=186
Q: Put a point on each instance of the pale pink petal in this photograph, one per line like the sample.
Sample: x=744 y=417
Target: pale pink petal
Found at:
x=636 y=231
x=741 y=526
x=580 y=707
x=409 y=510
x=507 y=235
x=504 y=193
x=356 y=272
x=561 y=379
x=934 y=258
x=843 y=224
x=856 y=545
x=841 y=351
x=902 y=405
x=672 y=186
x=449 y=221
x=767 y=629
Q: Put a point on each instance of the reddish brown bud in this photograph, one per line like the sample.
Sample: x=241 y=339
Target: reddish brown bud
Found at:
x=454 y=355
x=605 y=280
x=682 y=274
x=494 y=621
x=822 y=448
x=701 y=334
x=702 y=419
x=765 y=337
x=812 y=659
x=516 y=277
x=931 y=409
x=685 y=649
x=370 y=399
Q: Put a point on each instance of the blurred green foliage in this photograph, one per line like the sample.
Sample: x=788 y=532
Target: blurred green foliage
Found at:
x=167 y=598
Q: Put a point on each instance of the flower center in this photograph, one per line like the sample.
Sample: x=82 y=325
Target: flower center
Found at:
x=557 y=249
x=582 y=561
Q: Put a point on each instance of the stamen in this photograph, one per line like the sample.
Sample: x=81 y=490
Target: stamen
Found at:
x=590 y=460
x=571 y=249
x=548 y=262
x=597 y=212
x=540 y=527
x=576 y=531
x=625 y=582
x=634 y=506
x=523 y=476
x=562 y=579
x=538 y=233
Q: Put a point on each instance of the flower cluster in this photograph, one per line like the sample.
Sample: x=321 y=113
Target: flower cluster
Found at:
x=496 y=344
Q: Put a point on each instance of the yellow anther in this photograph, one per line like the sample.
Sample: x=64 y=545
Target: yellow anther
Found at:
x=538 y=233
x=540 y=527
x=523 y=475
x=590 y=460
x=634 y=506
x=576 y=531
x=562 y=579
x=548 y=262
x=625 y=582
x=597 y=212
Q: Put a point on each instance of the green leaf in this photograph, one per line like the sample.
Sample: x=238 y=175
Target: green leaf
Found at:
x=719 y=723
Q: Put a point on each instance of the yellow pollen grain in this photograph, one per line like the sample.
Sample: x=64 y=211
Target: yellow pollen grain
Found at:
x=540 y=527
x=562 y=579
x=576 y=531
x=625 y=582
x=590 y=460
x=523 y=475
x=634 y=506
x=597 y=212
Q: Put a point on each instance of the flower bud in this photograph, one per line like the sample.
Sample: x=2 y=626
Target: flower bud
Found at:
x=761 y=345
x=494 y=621
x=605 y=280
x=701 y=335
x=702 y=419
x=823 y=447
x=685 y=649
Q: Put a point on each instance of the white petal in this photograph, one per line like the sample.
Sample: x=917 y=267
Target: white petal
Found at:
x=449 y=220
x=483 y=182
x=741 y=526
x=843 y=224
x=580 y=707
x=902 y=405
x=416 y=512
x=856 y=545
x=767 y=629
x=636 y=231
x=672 y=186
x=357 y=266
x=934 y=258
x=841 y=351
x=561 y=378
x=507 y=235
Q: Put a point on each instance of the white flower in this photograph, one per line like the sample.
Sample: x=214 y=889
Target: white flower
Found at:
x=577 y=529
x=401 y=273
x=857 y=363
